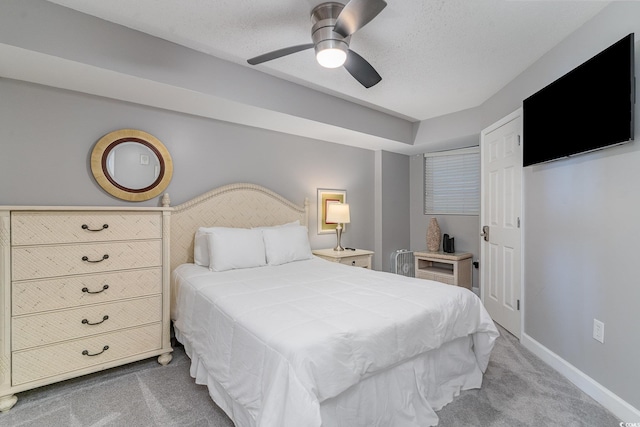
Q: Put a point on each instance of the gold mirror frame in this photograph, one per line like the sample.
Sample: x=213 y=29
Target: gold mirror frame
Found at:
x=111 y=140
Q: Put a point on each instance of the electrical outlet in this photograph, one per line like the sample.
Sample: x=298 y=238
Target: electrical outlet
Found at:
x=598 y=330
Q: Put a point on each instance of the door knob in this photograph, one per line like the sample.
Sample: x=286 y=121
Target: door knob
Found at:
x=485 y=233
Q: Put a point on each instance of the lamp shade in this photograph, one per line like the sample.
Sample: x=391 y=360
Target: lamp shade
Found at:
x=338 y=213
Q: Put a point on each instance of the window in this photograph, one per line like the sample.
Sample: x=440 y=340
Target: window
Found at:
x=452 y=182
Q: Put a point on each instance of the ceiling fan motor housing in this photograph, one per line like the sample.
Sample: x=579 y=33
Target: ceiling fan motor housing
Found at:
x=323 y=18
x=332 y=26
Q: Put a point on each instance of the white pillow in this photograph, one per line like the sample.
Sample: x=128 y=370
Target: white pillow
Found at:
x=286 y=244
x=201 y=246
x=201 y=242
x=231 y=248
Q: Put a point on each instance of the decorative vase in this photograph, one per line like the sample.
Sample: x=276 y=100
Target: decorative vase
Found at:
x=433 y=236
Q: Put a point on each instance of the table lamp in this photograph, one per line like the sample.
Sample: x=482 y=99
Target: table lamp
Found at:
x=338 y=213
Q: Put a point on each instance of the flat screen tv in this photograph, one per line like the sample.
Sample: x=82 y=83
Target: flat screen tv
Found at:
x=587 y=109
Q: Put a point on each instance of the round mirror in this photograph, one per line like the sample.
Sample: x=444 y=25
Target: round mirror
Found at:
x=131 y=165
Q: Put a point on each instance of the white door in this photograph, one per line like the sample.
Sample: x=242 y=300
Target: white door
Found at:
x=500 y=221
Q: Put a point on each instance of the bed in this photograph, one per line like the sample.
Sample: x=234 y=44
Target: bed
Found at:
x=302 y=341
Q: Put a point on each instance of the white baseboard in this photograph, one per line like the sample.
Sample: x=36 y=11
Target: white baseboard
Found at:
x=599 y=393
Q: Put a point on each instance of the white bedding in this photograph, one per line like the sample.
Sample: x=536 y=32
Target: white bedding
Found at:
x=296 y=344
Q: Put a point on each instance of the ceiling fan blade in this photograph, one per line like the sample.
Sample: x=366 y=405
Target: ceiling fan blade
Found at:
x=356 y=14
x=279 y=53
x=361 y=70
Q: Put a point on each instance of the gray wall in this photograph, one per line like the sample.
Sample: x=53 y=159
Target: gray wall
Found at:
x=580 y=222
x=394 y=184
x=46 y=138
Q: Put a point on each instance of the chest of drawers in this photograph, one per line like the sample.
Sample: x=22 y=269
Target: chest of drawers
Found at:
x=81 y=290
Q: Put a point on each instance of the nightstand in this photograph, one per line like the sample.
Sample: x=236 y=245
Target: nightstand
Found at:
x=357 y=258
x=453 y=269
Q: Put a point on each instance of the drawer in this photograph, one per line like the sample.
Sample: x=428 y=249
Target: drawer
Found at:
x=420 y=274
x=356 y=261
x=53 y=294
x=49 y=361
x=47 y=328
x=34 y=228
x=444 y=279
x=33 y=262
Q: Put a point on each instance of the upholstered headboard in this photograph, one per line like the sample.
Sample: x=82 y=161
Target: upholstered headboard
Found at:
x=234 y=205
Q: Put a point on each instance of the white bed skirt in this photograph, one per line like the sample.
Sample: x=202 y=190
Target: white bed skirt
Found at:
x=405 y=395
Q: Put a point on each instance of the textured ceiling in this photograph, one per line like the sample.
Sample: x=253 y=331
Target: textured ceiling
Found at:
x=435 y=56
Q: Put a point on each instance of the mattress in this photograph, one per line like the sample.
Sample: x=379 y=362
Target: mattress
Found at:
x=313 y=343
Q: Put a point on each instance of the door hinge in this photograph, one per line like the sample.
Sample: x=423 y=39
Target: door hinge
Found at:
x=518 y=222
x=518 y=305
x=519 y=142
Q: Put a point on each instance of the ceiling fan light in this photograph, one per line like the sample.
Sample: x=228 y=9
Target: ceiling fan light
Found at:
x=331 y=58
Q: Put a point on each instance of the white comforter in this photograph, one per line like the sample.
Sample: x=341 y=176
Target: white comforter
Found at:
x=281 y=340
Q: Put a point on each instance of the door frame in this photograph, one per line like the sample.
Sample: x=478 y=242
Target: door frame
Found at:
x=523 y=222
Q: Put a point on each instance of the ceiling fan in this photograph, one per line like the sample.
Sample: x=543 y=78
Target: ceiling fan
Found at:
x=333 y=25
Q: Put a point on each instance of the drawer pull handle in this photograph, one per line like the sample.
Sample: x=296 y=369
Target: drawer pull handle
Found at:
x=86 y=322
x=86 y=227
x=104 y=288
x=86 y=258
x=353 y=263
x=86 y=352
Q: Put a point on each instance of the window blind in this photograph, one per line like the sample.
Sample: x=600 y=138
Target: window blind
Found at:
x=452 y=182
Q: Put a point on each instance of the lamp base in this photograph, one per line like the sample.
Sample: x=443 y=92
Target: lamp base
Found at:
x=339 y=235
